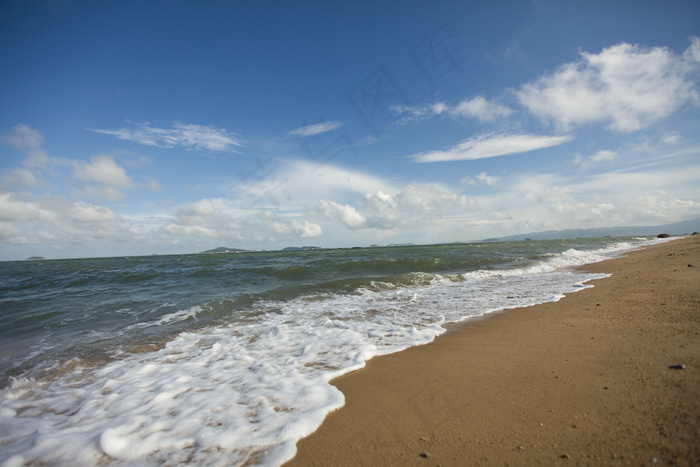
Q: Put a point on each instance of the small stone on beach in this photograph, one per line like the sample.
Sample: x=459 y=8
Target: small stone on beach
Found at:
x=677 y=367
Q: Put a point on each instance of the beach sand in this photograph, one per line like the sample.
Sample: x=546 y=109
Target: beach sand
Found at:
x=583 y=381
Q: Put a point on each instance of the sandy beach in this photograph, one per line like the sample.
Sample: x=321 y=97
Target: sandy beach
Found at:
x=606 y=376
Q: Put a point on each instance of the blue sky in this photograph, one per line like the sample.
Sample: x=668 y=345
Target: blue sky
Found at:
x=173 y=127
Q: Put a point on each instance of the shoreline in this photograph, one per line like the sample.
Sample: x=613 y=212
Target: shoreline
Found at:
x=585 y=379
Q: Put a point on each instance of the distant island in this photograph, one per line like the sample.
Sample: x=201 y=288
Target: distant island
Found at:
x=302 y=248
x=221 y=249
x=35 y=258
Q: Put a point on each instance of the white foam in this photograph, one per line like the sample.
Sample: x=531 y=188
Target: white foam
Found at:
x=246 y=393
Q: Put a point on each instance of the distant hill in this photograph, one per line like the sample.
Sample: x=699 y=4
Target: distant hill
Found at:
x=221 y=249
x=677 y=228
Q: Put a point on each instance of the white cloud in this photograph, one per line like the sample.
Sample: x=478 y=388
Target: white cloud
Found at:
x=152 y=185
x=103 y=169
x=295 y=184
x=672 y=137
x=59 y=222
x=109 y=176
x=15 y=209
x=82 y=212
x=209 y=218
x=551 y=201
x=289 y=227
x=187 y=135
x=29 y=141
x=656 y=209
x=627 y=86
x=602 y=156
x=482 y=178
x=200 y=212
x=405 y=208
x=480 y=109
x=18 y=178
x=346 y=214
x=315 y=129
x=485 y=146
x=439 y=108
x=105 y=192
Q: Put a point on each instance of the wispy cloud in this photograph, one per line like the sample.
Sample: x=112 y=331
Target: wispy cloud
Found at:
x=315 y=129
x=602 y=156
x=627 y=86
x=672 y=137
x=483 y=178
x=485 y=146
x=478 y=108
x=187 y=135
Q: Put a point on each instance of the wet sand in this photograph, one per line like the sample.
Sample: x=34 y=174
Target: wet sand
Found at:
x=583 y=381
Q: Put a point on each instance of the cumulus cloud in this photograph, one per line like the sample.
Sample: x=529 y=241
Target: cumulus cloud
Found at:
x=16 y=209
x=187 y=135
x=105 y=179
x=59 y=222
x=344 y=213
x=102 y=169
x=315 y=129
x=381 y=210
x=485 y=146
x=100 y=177
x=627 y=86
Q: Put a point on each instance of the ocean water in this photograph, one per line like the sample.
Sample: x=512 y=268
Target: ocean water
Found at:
x=226 y=359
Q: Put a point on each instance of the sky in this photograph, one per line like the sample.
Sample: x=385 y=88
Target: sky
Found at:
x=159 y=127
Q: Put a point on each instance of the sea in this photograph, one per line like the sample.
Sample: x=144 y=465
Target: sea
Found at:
x=226 y=359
